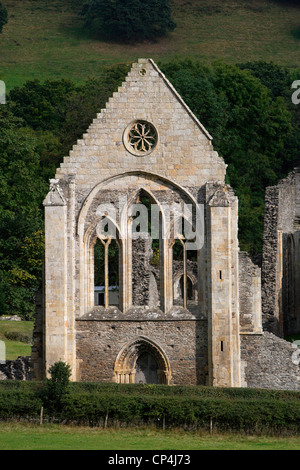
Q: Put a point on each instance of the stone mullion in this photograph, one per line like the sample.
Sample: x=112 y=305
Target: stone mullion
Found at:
x=182 y=241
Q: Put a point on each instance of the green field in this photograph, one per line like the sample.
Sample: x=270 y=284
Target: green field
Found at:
x=45 y=39
x=16 y=348
x=14 y=436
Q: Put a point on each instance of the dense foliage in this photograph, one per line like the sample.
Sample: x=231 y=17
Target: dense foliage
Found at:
x=56 y=387
x=247 y=109
x=3 y=16
x=249 y=129
x=128 y=20
x=21 y=193
x=246 y=410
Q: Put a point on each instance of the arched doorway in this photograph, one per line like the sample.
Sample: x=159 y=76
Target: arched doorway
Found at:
x=146 y=369
x=142 y=361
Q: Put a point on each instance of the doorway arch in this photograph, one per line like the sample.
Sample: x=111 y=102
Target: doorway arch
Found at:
x=142 y=353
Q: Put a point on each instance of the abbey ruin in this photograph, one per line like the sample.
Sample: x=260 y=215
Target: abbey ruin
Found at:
x=188 y=307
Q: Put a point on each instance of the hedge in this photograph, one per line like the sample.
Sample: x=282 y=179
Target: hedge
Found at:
x=176 y=411
x=19 y=405
x=248 y=410
x=188 y=391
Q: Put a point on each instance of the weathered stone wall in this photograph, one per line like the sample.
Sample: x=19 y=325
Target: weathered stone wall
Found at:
x=268 y=362
x=249 y=294
x=270 y=258
x=141 y=255
x=19 y=369
x=222 y=287
x=281 y=218
x=184 y=341
x=184 y=151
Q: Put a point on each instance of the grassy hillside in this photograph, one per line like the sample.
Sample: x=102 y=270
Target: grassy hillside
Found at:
x=46 y=40
x=16 y=330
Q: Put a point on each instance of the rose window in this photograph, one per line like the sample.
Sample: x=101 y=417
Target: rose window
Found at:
x=140 y=138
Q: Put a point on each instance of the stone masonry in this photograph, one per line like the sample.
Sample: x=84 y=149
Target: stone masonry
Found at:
x=177 y=321
x=281 y=262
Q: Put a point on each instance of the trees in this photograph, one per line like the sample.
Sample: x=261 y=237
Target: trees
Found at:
x=278 y=80
x=250 y=129
x=21 y=220
x=3 y=16
x=128 y=20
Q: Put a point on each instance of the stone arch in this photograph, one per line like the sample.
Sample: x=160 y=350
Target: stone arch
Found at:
x=190 y=281
x=171 y=229
x=131 y=199
x=142 y=181
x=88 y=245
x=126 y=230
x=90 y=234
x=194 y=285
x=125 y=364
x=101 y=185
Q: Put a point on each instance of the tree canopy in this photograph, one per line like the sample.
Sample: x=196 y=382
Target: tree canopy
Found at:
x=21 y=219
x=128 y=20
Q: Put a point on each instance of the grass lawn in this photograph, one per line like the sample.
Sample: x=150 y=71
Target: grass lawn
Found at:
x=15 y=436
x=45 y=39
x=16 y=348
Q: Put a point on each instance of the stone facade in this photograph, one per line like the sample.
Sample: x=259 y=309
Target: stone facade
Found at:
x=177 y=321
x=179 y=337
x=270 y=362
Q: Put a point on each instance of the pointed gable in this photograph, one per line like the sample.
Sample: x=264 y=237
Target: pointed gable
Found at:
x=146 y=109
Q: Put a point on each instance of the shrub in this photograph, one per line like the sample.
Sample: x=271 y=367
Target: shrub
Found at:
x=56 y=387
x=128 y=20
x=17 y=336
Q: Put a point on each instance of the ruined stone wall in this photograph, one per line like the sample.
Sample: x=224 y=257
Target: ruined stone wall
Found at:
x=183 y=340
x=279 y=219
x=290 y=283
x=19 y=369
x=268 y=362
x=141 y=255
x=249 y=294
